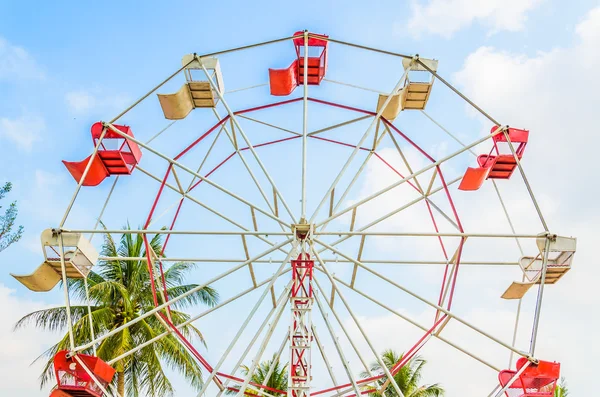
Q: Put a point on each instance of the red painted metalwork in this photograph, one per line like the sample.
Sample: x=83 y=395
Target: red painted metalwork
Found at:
x=240 y=380
x=207 y=133
x=270 y=105
x=301 y=300
x=283 y=82
x=497 y=164
x=537 y=380
x=73 y=380
x=300 y=365
x=394 y=370
x=116 y=156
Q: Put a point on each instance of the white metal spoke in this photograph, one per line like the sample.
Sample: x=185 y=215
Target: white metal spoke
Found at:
x=277 y=309
x=355 y=178
x=345 y=331
x=304 y=125
x=386 y=216
x=83 y=176
x=241 y=156
x=513 y=379
x=256 y=361
x=244 y=325
x=269 y=125
x=538 y=305
x=178 y=298
x=420 y=188
x=362 y=140
x=336 y=343
x=208 y=181
x=201 y=204
x=241 y=131
x=331 y=127
x=359 y=326
x=424 y=300
x=94 y=377
x=324 y=356
x=405 y=179
x=193 y=319
x=409 y=320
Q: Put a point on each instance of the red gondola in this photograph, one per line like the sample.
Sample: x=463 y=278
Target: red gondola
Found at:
x=74 y=381
x=116 y=156
x=537 y=380
x=498 y=164
x=283 y=81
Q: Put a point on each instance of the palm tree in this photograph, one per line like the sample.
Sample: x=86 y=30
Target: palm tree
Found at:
x=561 y=390
x=407 y=378
x=278 y=379
x=120 y=292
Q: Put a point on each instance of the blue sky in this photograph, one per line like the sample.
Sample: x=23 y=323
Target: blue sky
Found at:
x=66 y=65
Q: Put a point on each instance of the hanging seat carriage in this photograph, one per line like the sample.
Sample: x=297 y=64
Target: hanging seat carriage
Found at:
x=194 y=93
x=414 y=95
x=80 y=257
x=284 y=81
x=560 y=256
x=74 y=381
x=116 y=156
x=537 y=380
x=499 y=163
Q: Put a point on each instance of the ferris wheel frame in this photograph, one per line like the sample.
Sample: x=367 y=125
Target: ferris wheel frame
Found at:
x=312 y=243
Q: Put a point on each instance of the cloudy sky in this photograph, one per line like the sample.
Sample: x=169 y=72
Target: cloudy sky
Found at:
x=529 y=63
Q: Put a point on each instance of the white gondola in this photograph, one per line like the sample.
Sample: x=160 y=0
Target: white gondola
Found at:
x=79 y=256
x=414 y=95
x=560 y=256
x=194 y=93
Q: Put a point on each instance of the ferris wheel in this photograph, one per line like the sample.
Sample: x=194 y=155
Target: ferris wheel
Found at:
x=308 y=213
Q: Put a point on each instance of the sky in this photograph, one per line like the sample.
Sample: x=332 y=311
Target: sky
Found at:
x=529 y=63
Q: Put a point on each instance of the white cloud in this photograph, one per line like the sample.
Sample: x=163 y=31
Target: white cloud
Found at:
x=446 y=17
x=17 y=63
x=23 y=131
x=95 y=100
x=554 y=94
x=20 y=348
x=50 y=193
x=80 y=101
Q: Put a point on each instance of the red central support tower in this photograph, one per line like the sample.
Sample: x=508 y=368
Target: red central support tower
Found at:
x=301 y=301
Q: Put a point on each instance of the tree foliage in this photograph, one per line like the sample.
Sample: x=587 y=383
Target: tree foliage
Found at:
x=277 y=380
x=408 y=377
x=119 y=293
x=561 y=390
x=7 y=221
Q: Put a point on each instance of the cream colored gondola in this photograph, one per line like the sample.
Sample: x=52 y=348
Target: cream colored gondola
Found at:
x=414 y=95
x=80 y=257
x=560 y=256
x=193 y=94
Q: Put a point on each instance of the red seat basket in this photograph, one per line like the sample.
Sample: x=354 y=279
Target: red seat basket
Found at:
x=75 y=381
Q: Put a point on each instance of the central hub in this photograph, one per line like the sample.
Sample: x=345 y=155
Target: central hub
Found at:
x=303 y=231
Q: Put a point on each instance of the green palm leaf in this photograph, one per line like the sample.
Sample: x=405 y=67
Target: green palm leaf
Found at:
x=120 y=292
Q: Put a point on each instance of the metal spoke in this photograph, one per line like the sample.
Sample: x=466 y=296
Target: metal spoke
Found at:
x=362 y=140
x=424 y=300
x=406 y=179
x=237 y=124
x=183 y=167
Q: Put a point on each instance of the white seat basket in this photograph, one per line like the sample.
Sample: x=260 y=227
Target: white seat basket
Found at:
x=414 y=95
x=560 y=256
x=79 y=256
x=194 y=93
